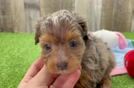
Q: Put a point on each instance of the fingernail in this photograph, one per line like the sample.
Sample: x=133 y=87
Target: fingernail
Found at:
x=52 y=86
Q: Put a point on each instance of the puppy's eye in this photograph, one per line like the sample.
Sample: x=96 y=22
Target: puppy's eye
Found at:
x=47 y=47
x=73 y=43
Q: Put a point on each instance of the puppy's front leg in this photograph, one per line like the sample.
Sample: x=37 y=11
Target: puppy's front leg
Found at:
x=85 y=84
x=106 y=82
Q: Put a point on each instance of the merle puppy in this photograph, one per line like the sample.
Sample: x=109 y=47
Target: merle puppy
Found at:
x=66 y=46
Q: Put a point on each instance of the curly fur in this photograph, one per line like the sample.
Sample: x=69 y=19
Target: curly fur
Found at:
x=95 y=58
x=97 y=64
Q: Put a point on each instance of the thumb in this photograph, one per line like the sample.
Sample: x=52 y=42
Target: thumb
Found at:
x=67 y=81
x=44 y=77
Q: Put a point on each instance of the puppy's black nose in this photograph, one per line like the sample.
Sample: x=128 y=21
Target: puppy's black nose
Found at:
x=62 y=65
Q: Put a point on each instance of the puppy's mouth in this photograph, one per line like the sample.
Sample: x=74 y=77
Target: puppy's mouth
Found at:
x=63 y=72
x=63 y=69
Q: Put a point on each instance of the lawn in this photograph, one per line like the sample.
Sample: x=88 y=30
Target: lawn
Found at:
x=17 y=52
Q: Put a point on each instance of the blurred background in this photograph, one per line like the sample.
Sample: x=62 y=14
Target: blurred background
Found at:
x=17 y=27
x=21 y=15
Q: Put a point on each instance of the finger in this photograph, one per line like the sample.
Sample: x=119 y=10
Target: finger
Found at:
x=68 y=81
x=34 y=69
x=44 y=77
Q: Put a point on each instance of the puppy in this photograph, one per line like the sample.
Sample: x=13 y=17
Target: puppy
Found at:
x=66 y=46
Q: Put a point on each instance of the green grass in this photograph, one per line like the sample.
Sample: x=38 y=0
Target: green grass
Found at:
x=123 y=81
x=129 y=35
x=17 y=52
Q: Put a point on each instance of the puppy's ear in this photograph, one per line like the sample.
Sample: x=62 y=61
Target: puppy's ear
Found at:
x=83 y=25
x=38 y=30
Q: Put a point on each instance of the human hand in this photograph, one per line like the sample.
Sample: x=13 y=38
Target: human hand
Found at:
x=38 y=77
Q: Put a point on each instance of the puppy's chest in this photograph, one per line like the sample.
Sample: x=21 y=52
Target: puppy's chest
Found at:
x=92 y=68
x=90 y=78
x=86 y=81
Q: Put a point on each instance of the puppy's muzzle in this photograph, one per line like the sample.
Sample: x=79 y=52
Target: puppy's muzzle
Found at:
x=62 y=65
